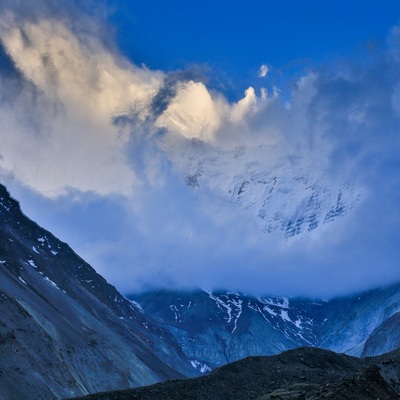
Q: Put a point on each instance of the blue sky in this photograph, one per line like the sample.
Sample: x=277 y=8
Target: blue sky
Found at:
x=234 y=38
x=108 y=108
x=239 y=36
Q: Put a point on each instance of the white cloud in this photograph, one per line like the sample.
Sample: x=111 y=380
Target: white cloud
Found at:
x=263 y=71
x=245 y=105
x=77 y=87
x=61 y=135
x=193 y=112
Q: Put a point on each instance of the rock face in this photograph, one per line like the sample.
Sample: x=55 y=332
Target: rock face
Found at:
x=384 y=338
x=215 y=328
x=64 y=331
x=304 y=373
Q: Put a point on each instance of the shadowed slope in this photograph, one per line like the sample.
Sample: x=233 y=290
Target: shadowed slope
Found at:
x=64 y=331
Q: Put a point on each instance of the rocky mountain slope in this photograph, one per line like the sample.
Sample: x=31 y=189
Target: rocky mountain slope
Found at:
x=64 y=331
x=385 y=337
x=304 y=373
x=215 y=328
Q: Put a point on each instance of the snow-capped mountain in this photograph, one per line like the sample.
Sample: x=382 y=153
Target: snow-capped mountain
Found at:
x=215 y=328
x=64 y=331
x=287 y=195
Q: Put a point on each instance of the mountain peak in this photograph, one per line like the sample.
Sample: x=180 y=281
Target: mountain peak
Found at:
x=285 y=195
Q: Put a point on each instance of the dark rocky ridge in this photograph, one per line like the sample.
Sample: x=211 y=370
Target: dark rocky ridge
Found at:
x=64 y=331
x=303 y=373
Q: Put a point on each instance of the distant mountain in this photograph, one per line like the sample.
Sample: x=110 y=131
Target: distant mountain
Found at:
x=64 y=331
x=301 y=374
x=215 y=328
x=282 y=194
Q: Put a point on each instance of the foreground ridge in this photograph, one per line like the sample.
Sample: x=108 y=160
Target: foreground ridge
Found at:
x=303 y=373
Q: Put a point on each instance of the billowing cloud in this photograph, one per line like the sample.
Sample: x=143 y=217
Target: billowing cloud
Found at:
x=193 y=112
x=72 y=90
x=195 y=189
x=75 y=89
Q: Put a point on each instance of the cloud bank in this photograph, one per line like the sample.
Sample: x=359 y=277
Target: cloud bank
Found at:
x=87 y=132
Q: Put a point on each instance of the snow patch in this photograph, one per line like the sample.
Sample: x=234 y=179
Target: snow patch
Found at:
x=22 y=280
x=136 y=304
x=270 y=311
x=202 y=367
x=277 y=302
x=298 y=324
x=221 y=305
x=44 y=241
x=32 y=264
x=4 y=206
x=238 y=304
x=231 y=303
x=284 y=315
x=48 y=280
x=176 y=313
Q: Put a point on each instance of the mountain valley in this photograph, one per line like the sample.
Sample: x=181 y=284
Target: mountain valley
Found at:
x=66 y=332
